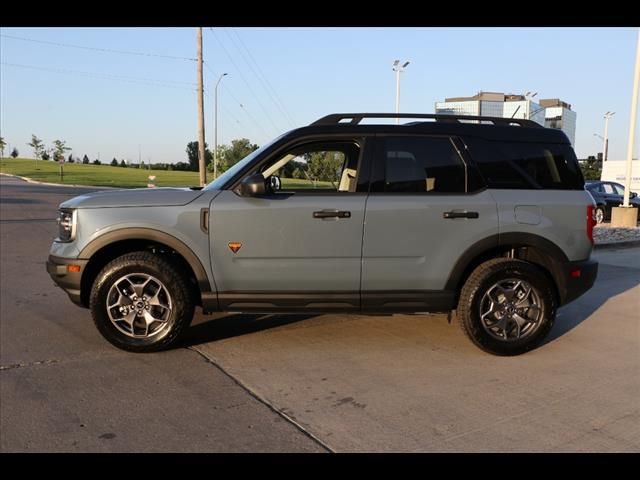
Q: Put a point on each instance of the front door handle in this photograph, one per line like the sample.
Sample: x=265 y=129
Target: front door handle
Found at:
x=460 y=214
x=331 y=214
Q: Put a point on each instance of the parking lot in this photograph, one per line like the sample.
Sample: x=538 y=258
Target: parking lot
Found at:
x=344 y=383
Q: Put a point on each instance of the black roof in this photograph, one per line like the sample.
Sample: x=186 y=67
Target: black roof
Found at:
x=492 y=128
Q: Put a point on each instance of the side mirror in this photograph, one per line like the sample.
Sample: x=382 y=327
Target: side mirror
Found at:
x=274 y=183
x=253 y=186
x=633 y=194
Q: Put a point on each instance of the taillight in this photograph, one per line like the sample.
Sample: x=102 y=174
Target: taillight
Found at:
x=591 y=222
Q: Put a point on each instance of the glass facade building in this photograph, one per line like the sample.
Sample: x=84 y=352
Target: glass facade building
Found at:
x=552 y=113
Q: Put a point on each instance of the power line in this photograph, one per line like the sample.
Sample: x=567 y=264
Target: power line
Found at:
x=97 y=49
x=206 y=94
x=240 y=104
x=105 y=76
x=262 y=77
x=229 y=113
x=245 y=81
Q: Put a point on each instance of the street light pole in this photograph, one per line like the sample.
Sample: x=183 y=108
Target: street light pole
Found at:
x=398 y=69
x=215 y=127
x=605 y=146
x=632 y=125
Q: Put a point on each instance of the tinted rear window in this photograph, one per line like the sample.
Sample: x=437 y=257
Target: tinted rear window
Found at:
x=422 y=165
x=521 y=165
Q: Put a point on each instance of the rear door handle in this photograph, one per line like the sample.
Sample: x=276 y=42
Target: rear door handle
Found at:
x=460 y=215
x=331 y=214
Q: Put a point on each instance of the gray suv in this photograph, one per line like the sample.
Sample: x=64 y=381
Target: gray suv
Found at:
x=484 y=216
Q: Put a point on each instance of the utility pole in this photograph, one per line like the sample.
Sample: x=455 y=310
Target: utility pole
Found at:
x=201 y=149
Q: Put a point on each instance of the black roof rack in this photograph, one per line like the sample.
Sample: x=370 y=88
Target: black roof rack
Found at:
x=356 y=118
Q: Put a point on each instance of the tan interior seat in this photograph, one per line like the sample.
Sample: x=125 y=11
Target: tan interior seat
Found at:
x=348 y=180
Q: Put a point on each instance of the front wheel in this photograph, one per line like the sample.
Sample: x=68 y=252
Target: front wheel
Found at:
x=141 y=302
x=506 y=307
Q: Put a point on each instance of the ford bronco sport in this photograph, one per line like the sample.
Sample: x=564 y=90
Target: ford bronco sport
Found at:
x=484 y=216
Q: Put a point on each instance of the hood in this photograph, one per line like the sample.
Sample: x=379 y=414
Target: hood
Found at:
x=137 y=197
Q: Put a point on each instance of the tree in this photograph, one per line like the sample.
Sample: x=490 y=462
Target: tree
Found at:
x=14 y=152
x=97 y=162
x=45 y=155
x=37 y=145
x=2 y=145
x=182 y=166
x=591 y=168
x=59 y=147
x=192 y=154
x=85 y=160
x=229 y=155
x=71 y=159
x=324 y=166
x=123 y=163
x=114 y=162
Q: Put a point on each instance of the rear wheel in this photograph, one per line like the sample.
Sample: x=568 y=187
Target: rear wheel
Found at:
x=141 y=302
x=506 y=307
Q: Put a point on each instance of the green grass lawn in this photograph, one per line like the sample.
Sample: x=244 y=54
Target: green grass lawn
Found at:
x=108 y=176
x=96 y=175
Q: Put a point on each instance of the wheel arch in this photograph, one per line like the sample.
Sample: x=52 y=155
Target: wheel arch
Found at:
x=105 y=248
x=524 y=246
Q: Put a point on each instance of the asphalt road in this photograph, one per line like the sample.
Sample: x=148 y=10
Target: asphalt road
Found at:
x=274 y=383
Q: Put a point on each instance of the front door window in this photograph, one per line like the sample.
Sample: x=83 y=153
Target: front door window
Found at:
x=320 y=167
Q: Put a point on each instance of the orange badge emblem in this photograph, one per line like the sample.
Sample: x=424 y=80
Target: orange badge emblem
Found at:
x=234 y=246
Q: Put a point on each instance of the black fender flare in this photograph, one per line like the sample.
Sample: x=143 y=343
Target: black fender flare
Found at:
x=136 y=233
x=517 y=239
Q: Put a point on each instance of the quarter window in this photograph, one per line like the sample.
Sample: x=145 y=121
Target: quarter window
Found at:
x=526 y=165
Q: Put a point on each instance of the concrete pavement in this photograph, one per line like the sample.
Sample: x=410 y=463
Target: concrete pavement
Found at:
x=64 y=389
x=356 y=383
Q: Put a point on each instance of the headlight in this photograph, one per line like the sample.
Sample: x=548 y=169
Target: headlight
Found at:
x=67 y=220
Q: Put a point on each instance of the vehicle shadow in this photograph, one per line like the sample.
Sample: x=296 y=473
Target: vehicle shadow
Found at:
x=236 y=324
x=612 y=280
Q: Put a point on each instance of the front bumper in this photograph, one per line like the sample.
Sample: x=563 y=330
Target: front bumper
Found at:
x=70 y=282
x=573 y=286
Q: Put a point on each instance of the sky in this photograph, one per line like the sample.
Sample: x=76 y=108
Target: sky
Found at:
x=130 y=93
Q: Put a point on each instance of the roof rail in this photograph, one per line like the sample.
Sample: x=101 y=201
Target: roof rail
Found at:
x=356 y=118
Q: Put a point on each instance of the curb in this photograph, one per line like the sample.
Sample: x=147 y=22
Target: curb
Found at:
x=614 y=245
x=29 y=180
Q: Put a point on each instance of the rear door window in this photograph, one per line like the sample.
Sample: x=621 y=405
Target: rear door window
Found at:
x=422 y=165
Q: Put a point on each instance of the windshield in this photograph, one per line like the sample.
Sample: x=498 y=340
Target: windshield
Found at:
x=226 y=176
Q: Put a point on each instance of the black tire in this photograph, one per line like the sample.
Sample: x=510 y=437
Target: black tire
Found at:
x=599 y=214
x=477 y=293
x=176 y=295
